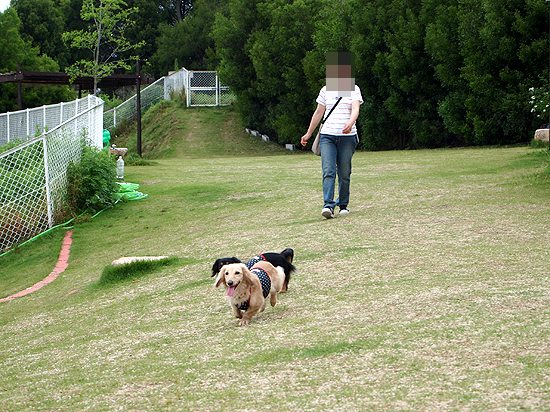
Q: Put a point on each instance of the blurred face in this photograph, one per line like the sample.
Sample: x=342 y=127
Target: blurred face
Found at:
x=340 y=73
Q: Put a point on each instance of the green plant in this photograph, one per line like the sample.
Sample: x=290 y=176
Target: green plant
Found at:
x=110 y=101
x=539 y=144
x=179 y=97
x=11 y=144
x=104 y=38
x=133 y=159
x=539 y=100
x=91 y=183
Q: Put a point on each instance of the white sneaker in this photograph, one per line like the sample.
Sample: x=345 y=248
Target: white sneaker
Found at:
x=328 y=212
x=344 y=211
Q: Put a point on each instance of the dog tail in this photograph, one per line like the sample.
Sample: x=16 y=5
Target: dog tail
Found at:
x=288 y=269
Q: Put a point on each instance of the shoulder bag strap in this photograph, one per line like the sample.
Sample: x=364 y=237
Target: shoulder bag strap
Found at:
x=331 y=110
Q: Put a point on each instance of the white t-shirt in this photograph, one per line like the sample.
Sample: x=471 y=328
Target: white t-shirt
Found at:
x=340 y=116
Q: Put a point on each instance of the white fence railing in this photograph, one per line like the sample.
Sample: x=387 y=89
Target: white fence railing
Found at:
x=128 y=109
x=26 y=124
x=33 y=175
x=201 y=89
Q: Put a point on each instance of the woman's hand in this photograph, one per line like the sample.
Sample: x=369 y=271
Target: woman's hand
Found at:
x=354 y=115
x=347 y=128
x=305 y=138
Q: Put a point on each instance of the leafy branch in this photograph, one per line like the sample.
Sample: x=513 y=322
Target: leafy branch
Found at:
x=104 y=38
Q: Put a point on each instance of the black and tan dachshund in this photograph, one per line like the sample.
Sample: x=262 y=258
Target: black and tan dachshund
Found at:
x=283 y=259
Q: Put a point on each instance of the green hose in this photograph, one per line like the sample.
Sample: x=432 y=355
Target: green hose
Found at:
x=43 y=233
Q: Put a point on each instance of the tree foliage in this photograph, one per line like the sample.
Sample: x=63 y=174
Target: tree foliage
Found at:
x=104 y=38
x=187 y=43
x=261 y=46
x=433 y=73
x=16 y=50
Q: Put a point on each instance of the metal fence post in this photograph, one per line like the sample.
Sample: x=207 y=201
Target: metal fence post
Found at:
x=47 y=179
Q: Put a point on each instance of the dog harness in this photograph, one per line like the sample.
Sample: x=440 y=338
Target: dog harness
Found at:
x=265 y=281
x=259 y=258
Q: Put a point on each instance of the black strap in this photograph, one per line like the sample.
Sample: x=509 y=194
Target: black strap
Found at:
x=331 y=110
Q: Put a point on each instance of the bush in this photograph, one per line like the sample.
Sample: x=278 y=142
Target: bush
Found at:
x=92 y=181
x=539 y=144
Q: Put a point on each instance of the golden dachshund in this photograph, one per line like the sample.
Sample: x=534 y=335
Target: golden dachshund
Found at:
x=248 y=289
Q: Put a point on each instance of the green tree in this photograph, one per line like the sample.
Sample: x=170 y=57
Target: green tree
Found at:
x=145 y=28
x=105 y=39
x=16 y=50
x=176 y=10
x=443 y=46
x=42 y=24
x=262 y=46
x=277 y=51
x=231 y=32
x=188 y=41
x=501 y=43
x=400 y=88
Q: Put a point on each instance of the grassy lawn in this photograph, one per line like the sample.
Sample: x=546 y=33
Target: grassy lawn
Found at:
x=433 y=294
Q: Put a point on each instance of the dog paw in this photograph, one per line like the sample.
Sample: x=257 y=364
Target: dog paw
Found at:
x=243 y=322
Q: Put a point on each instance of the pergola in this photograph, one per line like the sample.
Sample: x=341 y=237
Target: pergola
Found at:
x=34 y=79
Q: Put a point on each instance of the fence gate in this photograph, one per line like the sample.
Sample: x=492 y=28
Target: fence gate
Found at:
x=205 y=89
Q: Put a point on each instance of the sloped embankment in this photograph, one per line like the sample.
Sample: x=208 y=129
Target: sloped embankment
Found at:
x=169 y=130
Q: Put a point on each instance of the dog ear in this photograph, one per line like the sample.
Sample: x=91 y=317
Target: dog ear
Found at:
x=246 y=272
x=220 y=263
x=220 y=279
x=216 y=267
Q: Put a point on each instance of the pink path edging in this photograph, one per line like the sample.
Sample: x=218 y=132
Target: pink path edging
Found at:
x=62 y=264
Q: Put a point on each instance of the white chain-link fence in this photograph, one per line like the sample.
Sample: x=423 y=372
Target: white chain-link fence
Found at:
x=33 y=175
x=128 y=109
x=26 y=124
x=205 y=89
x=201 y=88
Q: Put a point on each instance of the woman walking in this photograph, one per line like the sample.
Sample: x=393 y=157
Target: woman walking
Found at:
x=338 y=139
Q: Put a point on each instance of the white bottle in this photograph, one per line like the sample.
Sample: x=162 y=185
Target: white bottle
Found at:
x=120 y=168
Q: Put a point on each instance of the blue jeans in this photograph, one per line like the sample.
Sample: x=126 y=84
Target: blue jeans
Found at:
x=336 y=154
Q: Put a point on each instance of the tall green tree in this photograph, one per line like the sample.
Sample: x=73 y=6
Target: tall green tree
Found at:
x=188 y=42
x=278 y=49
x=145 y=27
x=400 y=87
x=45 y=21
x=498 y=52
x=262 y=46
x=442 y=43
x=231 y=32
x=105 y=39
x=42 y=24
x=176 y=10
x=16 y=50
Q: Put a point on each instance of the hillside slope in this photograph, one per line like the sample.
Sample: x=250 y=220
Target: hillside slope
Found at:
x=169 y=130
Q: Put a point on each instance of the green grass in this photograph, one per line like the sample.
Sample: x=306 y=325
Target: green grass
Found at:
x=432 y=294
x=112 y=275
x=24 y=266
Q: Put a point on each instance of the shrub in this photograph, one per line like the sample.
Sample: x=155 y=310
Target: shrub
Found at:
x=91 y=183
